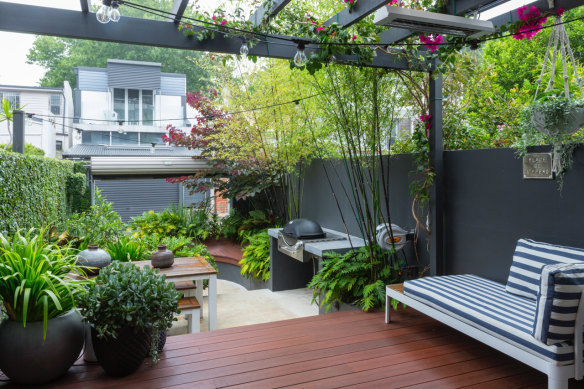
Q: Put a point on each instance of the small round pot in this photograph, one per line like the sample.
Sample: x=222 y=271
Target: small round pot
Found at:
x=122 y=356
x=162 y=258
x=93 y=257
x=28 y=359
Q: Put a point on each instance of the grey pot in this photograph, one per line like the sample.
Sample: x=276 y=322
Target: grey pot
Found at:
x=28 y=359
x=162 y=258
x=93 y=257
x=574 y=121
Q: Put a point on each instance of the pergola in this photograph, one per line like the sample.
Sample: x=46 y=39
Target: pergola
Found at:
x=82 y=24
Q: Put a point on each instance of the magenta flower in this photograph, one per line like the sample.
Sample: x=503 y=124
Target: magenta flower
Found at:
x=431 y=42
x=532 y=22
x=354 y=37
x=223 y=22
x=560 y=11
x=320 y=29
x=392 y=2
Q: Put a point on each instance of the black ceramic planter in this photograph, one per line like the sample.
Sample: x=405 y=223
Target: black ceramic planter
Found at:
x=28 y=359
x=122 y=356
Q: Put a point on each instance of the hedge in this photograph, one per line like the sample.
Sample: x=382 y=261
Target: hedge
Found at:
x=37 y=191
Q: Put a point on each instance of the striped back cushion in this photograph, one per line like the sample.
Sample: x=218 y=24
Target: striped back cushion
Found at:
x=529 y=258
x=557 y=303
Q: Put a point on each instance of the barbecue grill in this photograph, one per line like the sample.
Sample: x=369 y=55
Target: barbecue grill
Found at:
x=299 y=232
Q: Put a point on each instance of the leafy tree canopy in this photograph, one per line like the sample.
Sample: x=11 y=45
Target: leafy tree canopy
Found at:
x=60 y=55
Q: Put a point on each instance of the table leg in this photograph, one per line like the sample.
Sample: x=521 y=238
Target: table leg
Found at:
x=212 y=302
x=199 y=296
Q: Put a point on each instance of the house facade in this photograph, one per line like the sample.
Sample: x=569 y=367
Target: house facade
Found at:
x=127 y=103
x=52 y=109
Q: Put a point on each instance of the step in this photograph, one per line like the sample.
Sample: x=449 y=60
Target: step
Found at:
x=187 y=303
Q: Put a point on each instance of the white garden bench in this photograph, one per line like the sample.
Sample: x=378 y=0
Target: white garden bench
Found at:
x=532 y=318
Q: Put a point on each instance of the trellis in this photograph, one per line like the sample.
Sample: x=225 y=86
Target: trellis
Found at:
x=82 y=24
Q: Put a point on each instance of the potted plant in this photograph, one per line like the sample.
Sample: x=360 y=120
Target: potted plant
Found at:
x=125 y=306
x=42 y=328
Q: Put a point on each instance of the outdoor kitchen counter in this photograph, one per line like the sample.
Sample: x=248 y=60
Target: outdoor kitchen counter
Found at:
x=317 y=248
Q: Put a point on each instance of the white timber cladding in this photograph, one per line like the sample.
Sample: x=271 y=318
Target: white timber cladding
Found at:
x=120 y=166
x=45 y=127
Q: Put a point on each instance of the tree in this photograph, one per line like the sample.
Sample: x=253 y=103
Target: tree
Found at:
x=6 y=115
x=60 y=55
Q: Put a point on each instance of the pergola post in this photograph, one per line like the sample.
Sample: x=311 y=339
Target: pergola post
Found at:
x=18 y=131
x=437 y=265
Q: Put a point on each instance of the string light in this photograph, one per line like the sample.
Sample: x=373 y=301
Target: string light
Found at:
x=244 y=50
x=300 y=57
x=108 y=12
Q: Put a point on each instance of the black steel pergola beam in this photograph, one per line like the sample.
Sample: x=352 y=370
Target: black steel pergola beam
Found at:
x=360 y=10
x=85 y=6
x=462 y=7
x=268 y=10
x=541 y=4
x=178 y=10
x=75 y=24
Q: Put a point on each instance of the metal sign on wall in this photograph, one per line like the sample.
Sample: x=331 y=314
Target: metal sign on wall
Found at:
x=538 y=166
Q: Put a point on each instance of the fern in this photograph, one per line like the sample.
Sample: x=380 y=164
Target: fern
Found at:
x=256 y=256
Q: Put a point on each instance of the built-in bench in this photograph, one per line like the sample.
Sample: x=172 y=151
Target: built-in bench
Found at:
x=532 y=318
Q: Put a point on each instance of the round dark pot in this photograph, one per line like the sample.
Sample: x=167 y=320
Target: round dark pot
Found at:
x=93 y=257
x=162 y=258
x=161 y=341
x=28 y=359
x=124 y=355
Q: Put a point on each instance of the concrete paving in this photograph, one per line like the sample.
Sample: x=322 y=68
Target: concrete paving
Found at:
x=237 y=306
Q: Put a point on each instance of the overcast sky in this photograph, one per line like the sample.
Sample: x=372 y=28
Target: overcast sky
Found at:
x=14 y=47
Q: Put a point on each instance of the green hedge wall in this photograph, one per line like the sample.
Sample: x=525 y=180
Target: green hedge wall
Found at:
x=37 y=191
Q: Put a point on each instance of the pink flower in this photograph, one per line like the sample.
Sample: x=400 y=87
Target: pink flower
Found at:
x=392 y=2
x=431 y=42
x=320 y=29
x=560 y=11
x=532 y=22
x=354 y=37
x=223 y=22
x=214 y=17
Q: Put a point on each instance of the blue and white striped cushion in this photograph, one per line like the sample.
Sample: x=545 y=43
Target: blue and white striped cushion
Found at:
x=486 y=305
x=529 y=258
x=557 y=302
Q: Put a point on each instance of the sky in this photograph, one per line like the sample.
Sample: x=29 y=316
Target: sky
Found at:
x=14 y=47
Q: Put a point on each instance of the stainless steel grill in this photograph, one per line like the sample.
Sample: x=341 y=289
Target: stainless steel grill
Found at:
x=293 y=246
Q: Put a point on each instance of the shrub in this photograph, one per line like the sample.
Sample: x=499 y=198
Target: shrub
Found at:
x=33 y=191
x=34 y=282
x=123 y=295
x=28 y=150
x=256 y=257
x=78 y=194
x=100 y=224
x=126 y=249
x=354 y=277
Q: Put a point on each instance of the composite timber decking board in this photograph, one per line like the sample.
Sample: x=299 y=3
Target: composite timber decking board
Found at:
x=347 y=349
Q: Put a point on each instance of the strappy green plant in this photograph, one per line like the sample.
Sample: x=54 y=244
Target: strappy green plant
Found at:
x=35 y=278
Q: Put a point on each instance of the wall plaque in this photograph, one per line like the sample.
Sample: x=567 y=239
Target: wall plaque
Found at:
x=538 y=166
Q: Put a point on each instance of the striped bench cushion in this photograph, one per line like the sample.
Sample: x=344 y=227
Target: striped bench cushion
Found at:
x=529 y=258
x=486 y=305
x=557 y=302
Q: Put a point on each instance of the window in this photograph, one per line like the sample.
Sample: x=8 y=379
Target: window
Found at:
x=134 y=106
x=129 y=138
x=55 y=103
x=147 y=138
x=59 y=145
x=13 y=99
x=96 y=137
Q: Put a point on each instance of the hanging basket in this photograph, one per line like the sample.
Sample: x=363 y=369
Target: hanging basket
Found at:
x=572 y=122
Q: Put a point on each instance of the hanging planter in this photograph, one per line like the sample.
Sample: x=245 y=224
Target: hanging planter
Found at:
x=556 y=117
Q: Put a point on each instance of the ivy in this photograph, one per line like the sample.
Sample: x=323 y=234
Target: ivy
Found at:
x=36 y=191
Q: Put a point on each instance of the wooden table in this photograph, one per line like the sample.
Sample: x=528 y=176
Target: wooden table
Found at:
x=193 y=269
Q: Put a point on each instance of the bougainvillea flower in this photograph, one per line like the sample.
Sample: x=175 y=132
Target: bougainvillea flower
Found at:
x=431 y=42
x=532 y=22
x=320 y=29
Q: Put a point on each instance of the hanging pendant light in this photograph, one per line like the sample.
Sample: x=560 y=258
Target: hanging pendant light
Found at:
x=102 y=14
x=114 y=13
x=300 y=57
x=244 y=50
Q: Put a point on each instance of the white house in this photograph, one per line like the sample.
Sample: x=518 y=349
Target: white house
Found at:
x=52 y=111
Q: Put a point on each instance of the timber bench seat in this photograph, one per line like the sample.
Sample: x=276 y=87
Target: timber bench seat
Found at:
x=191 y=308
x=536 y=318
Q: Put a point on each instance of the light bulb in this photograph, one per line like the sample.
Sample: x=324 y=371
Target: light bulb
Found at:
x=114 y=14
x=102 y=14
x=333 y=59
x=210 y=124
x=244 y=49
x=300 y=57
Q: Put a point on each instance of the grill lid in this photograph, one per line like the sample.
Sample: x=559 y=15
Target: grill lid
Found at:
x=304 y=229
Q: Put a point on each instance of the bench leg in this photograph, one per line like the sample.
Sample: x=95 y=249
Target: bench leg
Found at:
x=555 y=382
x=387 y=309
x=199 y=296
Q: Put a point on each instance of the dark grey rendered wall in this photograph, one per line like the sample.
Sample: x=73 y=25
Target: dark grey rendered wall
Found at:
x=488 y=207
x=319 y=202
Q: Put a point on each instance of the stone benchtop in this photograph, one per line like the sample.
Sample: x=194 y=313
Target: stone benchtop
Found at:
x=317 y=248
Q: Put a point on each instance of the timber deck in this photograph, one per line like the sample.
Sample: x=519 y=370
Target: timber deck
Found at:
x=347 y=349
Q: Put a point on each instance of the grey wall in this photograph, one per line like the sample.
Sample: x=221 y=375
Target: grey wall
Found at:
x=91 y=79
x=488 y=207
